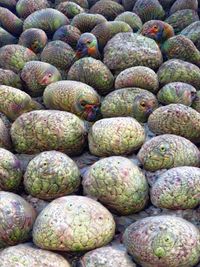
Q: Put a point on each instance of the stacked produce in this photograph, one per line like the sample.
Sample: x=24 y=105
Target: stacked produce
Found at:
x=99 y=133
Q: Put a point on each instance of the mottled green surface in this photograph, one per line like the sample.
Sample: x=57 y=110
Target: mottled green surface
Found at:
x=6 y=38
x=115 y=136
x=82 y=3
x=59 y=54
x=149 y=9
x=181 y=19
x=71 y=96
x=118 y=184
x=73 y=223
x=131 y=19
x=106 y=257
x=10 y=22
x=26 y=7
x=139 y=76
x=133 y=102
x=37 y=75
x=70 y=9
x=181 y=47
x=196 y=102
x=14 y=57
x=14 y=102
x=38 y=131
x=68 y=34
x=176 y=119
x=105 y=31
x=48 y=19
x=85 y=22
x=129 y=49
x=26 y=255
x=8 y=77
x=92 y=72
x=109 y=9
x=5 y=141
x=33 y=38
x=184 y=4
x=50 y=175
x=177 y=92
x=193 y=33
x=10 y=171
x=178 y=188
x=17 y=217
x=165 y=241
x=176 y=70
x=167 y=151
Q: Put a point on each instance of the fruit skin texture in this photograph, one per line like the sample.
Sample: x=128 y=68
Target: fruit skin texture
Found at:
x=8 y=77
x=10 y=170
x=41 y=130
x=177 y=92
x=127 y=50
x=106 y=257
x=26 y=7
x=176 y=119
x=177 y=70
x=118 y=184
x=115 y=136
x=177 y=188
x=51 y=174
x=73 y=223
x=72 y=96
x=167 y=151
x=133 y=102
x=14 y=57
x=27 y=255
x=163 y=241
x=37 y=75
x=14 y=102
x=17 y=217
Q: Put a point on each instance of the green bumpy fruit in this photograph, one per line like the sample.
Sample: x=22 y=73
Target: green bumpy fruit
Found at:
x=115 y=136
x=131 y=19
x=24 y=255
x=177 y=93
x=118 y=184
x=127 y=50
x=41 y=130
x=133 y=102
x=106 y=257
x=176 y=119
x=165 y=241
x=177 y=188
x=73 y=223
x=14 y=102
x=167 y=151
x=17 y=217
x=10 y=171
x=50 y=175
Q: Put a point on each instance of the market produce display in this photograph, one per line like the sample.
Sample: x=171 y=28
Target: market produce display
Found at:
x=99 y=133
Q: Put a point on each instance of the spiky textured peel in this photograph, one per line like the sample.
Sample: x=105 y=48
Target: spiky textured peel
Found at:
x=87 y=223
